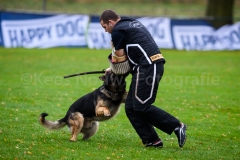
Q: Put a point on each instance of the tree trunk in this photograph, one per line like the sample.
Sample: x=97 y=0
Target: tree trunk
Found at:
x=220 y=12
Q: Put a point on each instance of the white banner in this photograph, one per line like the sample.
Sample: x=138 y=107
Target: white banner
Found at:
x=160 y=30
x=228 y=37
x=60 y=30
x=193 y=37
x=97 y=37
x=78 y=31
x=206 y=38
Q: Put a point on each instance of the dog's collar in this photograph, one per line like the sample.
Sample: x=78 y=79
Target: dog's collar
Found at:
x=112 y=95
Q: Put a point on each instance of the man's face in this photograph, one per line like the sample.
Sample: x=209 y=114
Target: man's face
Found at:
x=107 y=27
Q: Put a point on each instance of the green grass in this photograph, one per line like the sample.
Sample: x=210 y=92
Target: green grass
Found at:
x=200 y=88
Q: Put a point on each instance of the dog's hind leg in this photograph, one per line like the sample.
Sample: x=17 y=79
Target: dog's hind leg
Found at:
x=89 y=132
x=75 y=123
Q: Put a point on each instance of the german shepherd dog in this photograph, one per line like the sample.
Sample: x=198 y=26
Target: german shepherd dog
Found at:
x=99 y=105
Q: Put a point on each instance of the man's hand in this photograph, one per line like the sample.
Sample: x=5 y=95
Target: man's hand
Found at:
x=108 y=70
x=120 y=52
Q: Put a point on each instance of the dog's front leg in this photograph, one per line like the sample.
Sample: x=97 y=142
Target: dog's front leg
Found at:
x=102 y=110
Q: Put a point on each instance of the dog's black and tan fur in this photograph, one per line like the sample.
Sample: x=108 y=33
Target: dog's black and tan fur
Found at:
x=99 y=105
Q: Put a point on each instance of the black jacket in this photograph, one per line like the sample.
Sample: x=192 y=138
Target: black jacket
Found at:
x=140 y=45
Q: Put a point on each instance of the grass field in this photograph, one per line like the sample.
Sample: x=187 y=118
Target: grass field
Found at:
x=200 y=88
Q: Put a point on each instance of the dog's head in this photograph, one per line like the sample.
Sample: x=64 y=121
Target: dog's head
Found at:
x=113 y=82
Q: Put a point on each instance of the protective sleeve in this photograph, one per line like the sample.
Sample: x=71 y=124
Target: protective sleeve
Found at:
x=119 y=68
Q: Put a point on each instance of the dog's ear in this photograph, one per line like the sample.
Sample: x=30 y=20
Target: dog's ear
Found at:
x=103 y=77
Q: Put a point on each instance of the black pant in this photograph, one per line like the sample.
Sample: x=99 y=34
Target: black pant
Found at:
x=139 y=109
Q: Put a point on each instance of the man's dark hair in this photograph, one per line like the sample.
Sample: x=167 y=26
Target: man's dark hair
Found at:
x=108 y=15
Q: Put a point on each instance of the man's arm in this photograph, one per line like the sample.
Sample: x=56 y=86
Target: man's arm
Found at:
x=120 y=52
x=119 y=43
x=118 y=55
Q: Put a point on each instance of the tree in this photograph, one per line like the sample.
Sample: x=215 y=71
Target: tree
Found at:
x=220 y=12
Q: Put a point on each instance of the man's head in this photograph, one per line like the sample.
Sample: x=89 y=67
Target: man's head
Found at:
x=108 y=19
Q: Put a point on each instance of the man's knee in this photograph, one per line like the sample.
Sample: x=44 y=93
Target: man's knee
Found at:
x=141 y=109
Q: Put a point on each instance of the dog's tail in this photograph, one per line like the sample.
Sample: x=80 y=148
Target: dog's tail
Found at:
x=50 y=124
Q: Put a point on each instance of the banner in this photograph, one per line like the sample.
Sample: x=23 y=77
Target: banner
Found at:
x=160 y=30
x=193 y=37
x=227 y=37
x=59 y=30
x=32 y=30
x=201 y=36
x=1 y=40
x=97 y=37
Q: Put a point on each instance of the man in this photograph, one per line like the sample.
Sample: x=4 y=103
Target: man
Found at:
x=131 y=40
